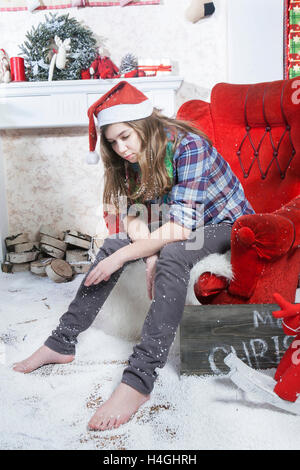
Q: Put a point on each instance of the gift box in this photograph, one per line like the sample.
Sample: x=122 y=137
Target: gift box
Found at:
x=294 y=43
x=294 y=70
x=295 y=15
x=154 y=68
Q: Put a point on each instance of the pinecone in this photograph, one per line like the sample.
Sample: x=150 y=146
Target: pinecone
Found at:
x=128 y=63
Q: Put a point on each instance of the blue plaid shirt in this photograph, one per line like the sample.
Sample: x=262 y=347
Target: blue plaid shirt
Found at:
x=205 y=190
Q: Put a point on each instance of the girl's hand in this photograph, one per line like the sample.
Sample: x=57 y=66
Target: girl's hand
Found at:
x=104 y=270
x=150 y=274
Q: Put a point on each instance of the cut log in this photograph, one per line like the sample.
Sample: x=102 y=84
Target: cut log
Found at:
x=16 y=239
x=24 y=247
x=95 y=246
x=81 y=268
x=77 y=234
x=22 y=257
x=77 y=241
x=59 y=271
x=73 y=256
x=6 y=267
x=48 y=230
x=39 y=267
x=15 y=268
x=51 y=251
x=55 y=242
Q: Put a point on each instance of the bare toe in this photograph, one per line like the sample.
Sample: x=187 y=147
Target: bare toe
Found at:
x=41 y=357
x=118 y=409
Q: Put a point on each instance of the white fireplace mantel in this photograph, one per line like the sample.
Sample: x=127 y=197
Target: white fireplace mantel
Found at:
x=28 y=105
x=65 y=103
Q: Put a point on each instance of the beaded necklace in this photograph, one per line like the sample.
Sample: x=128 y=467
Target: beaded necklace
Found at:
x=133 y=173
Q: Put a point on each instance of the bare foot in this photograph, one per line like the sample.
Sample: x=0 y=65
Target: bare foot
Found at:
x=118 y=409
x=41 y=357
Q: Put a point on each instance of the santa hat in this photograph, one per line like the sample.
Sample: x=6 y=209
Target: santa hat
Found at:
x=122 y=103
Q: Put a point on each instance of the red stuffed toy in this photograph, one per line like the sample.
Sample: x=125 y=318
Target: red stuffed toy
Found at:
x=288 y=371
x=103 y=67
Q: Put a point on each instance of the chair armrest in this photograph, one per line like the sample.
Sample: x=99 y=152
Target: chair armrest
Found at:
x=291 y=211
x=198 y=113
x=255 y=240
x=209 y=284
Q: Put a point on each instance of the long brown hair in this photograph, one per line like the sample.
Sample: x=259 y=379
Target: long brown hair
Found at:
x=154 y=177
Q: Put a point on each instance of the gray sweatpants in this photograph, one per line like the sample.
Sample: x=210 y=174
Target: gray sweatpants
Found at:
x=171 y=281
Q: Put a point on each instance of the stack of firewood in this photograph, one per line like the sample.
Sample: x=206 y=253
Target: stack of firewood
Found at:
x=57 y=255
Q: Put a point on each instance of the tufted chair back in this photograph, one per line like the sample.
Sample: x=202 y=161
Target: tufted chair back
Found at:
x=256 y=128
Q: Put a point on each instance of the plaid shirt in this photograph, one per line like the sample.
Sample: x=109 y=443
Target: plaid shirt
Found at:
x=205 y=190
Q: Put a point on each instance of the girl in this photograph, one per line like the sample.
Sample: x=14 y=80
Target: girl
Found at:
x=153 y=161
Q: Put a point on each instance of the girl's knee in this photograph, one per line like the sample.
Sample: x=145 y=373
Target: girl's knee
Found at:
x=113 y=243
x=173 y=250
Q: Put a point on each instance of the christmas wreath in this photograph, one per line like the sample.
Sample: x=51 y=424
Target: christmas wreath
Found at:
x=40 y=46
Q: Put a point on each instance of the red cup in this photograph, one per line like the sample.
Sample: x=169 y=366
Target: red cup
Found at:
x=17 y=69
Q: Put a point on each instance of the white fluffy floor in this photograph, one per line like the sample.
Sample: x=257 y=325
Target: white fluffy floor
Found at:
x=49 y=409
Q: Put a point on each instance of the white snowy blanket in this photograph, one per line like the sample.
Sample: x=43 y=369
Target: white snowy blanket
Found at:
x=128 y=321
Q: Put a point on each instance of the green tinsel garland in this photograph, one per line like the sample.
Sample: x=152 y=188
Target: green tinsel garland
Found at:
x=37 y=50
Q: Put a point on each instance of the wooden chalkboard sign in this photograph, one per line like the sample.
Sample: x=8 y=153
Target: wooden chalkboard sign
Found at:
x=209 y=332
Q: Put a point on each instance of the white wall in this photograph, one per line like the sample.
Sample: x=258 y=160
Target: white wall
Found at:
x=255 y=40
x=3 y=211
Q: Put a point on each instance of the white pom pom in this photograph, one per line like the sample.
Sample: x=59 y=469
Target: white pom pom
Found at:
x=92 y=158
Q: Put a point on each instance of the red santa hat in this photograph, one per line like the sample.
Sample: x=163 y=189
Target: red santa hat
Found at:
x=122 y=103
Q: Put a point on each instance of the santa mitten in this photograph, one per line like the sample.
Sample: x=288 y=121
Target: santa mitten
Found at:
x=288 y=358
x=290 y=314
x=199 y=9
x=288 y=371
x=288 y=386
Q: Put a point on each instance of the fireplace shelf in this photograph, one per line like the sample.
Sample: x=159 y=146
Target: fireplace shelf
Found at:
x=65 y=103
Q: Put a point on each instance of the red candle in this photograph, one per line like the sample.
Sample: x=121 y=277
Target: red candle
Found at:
x=17 y=69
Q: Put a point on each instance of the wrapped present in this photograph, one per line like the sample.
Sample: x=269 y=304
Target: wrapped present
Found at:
x=291 y=54
x=154 y=68
x=294 y=43
x=295 y=15
x=294 y=70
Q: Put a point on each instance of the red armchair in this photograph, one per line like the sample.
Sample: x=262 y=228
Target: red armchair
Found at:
x=256 y=128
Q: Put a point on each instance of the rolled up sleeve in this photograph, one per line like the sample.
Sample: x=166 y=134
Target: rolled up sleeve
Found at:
x=189 y=193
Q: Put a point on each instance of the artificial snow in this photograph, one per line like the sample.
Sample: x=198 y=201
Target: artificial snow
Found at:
x=50 y=408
